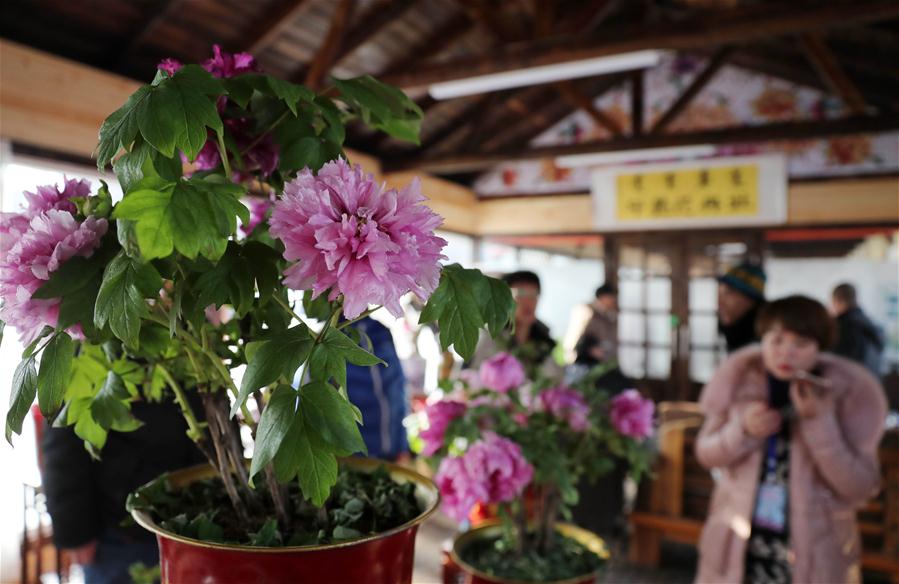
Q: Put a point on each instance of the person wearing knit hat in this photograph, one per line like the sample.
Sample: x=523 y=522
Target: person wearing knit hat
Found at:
x=741 y=293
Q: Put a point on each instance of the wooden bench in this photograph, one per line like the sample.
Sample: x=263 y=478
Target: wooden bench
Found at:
x=673 y=505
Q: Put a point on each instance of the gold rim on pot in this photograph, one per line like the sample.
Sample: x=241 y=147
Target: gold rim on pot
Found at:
x=493 y=528
x=425 y=492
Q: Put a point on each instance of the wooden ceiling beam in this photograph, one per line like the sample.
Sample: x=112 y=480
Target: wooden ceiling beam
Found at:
x=802 y=130
x=720 y=30
x=581 y=100
x=637 y=103
x=160 y=12
x=686 y=98
x=277 y=20
x=827 y=66
x=330 y=48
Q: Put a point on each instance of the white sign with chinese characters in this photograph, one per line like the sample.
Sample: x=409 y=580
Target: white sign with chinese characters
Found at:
x=719 y=192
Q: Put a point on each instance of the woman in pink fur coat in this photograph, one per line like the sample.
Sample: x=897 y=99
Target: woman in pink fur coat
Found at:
x=793 y=434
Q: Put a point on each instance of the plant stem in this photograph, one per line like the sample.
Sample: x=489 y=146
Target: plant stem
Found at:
x=221 y=454
x=223 y=153
x=195 y=431
x=259 y=138
x=358 y=318
x=286 y=307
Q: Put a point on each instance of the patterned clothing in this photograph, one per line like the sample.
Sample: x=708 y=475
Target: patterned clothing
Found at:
x=768 y=549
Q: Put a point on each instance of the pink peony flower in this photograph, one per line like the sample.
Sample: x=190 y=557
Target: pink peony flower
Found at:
x=439 y=414
x=222 y=64
x=50 y=197
x=632 y=414
x=169 y=65
x=566 y=404
x=492 y=470
x=226 y=65
x=502 y=372
x=51 y=238
x=453 y=481
x=362 y=242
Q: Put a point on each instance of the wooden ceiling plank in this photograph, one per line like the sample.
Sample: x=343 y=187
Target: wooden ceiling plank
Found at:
x=801 y=130
x=160 y=12
x=277 y=20
x=720 y=30
x=330 y=48
x=831 y=72
x=686 y=98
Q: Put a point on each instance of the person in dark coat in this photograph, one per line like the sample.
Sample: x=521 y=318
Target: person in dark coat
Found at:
x=599 y=341
x=741 y=294
x=86 y=497
x=858 y=338
x=380 y=393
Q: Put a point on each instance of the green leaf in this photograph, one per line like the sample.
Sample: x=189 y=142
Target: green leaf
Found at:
x=496 y=303
x=267 y=536
x=457 y=305
x=178 y=111
x=109 y=409
x=329 y=357
x=274 y=424
x=194 y=216
x=343 y=532
x=316 y=465
x=24 y=388
x=79 y=413
x=382 y=106
x=150 y=209
x=120 y=301
x=311 y=151
x=120 y=128
x=53 y=376
x=331 y=416
x=234 y=279
x=318 y=308
x=240 y=89
x=280 y=355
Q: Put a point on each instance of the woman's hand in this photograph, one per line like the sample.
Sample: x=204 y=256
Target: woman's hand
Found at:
x=810 y=398
x=760 y=421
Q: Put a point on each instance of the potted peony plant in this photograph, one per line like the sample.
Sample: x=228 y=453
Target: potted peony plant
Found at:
x=497 y=438
x=160 y=292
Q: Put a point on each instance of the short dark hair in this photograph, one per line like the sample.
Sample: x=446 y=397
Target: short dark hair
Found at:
x=846 y=294
x=609 y=289
x=798 y=314
x=522 y=277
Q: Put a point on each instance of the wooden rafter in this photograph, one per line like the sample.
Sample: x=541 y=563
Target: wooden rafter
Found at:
x=461 y=121
x=720 y=30
x=489 y=14
x=699 y=82
x=831 y=72
x=581 y=100
x=637 y=103
x=160 y=12
x=331 y=46
x=746 y=134
x=277 y=20
x=369 y=24
x=795 y=69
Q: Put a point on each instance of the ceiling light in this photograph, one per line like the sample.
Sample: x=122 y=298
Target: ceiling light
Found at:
x=602 y=158
x=545 y=74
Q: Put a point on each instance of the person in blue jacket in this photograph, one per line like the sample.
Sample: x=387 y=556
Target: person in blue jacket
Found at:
x=380 y=393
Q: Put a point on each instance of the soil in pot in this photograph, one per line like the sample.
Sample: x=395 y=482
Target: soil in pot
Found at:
x=566 y=559
x=361 y=504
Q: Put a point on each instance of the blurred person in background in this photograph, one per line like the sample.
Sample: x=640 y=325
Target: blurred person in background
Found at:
x=86 y=496
x=379 y=391
x=741 y=293
x=858 y=338
x=794 y=432
x=599 y=341
x=529 y=341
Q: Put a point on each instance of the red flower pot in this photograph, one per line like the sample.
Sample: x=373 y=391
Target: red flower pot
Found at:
x=464 y=573
x=385 y=558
